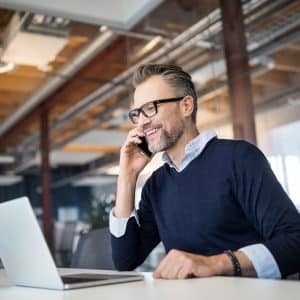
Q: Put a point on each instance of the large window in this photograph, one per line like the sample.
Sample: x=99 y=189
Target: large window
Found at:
x=287 y=170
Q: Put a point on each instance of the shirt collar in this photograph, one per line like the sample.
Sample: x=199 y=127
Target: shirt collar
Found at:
x=192 y=149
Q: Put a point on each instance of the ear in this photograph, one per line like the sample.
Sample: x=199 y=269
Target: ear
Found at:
x=187 y=105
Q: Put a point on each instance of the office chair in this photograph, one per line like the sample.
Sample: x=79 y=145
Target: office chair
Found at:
x=94 y=251
x=65 y=247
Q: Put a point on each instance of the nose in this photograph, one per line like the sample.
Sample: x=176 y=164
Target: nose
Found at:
x=143 y=120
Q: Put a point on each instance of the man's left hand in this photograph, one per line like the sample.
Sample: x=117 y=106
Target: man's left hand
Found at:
x=180 y=264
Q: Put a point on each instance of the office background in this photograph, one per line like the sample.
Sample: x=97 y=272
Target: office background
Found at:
x=65 y=91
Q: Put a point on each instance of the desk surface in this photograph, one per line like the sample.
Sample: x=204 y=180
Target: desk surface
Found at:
x=205 y=288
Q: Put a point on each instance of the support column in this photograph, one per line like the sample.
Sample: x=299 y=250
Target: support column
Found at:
x=46 y=179
x=235 y=46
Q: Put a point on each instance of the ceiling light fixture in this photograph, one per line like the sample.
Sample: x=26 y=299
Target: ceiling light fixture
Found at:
x=34 y=40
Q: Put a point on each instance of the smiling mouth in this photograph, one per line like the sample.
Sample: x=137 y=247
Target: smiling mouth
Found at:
x=150 y=133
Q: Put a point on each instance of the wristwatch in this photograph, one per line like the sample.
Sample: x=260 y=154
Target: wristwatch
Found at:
x=235 y=262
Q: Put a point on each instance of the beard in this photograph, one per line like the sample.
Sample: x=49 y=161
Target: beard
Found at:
x=168 y=139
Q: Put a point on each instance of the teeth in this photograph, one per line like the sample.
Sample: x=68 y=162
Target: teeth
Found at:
x=150 y=132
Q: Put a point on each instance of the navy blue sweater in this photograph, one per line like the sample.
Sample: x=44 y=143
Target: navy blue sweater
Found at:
x=226 y=198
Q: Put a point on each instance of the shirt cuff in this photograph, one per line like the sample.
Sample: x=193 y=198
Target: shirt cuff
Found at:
x=117 y=226
x=262 y=260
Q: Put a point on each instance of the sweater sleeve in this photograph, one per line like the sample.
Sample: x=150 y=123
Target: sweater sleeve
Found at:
x=132 y=248
x=267 y=206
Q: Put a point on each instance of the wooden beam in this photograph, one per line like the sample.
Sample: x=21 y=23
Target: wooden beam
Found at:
x=238 y=74
x=28 y=72
x=212 y=92
x=15 y=83
x=46 y=179
x=294 y=46
x=91 y=148
x=259 y=92
x=288 y=61
x=8 y=108
x=272 y=78
x=220 y=104
x=13 y=98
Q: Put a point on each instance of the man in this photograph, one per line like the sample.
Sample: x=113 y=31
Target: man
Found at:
x=215 y=204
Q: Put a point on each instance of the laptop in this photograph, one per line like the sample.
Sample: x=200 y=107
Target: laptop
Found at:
x=27 y=259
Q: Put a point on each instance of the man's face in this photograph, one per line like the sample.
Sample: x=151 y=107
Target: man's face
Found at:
x=164 y=129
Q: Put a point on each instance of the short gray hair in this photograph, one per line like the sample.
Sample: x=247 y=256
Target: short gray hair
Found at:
x=174 y=76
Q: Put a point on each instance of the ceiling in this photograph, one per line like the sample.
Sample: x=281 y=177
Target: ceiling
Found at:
x=79 y=73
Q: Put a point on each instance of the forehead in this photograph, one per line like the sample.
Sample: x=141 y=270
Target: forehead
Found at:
x=153 y=88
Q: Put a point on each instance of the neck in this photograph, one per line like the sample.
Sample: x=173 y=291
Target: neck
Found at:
x=177 y=152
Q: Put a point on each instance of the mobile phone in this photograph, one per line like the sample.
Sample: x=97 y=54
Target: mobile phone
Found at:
x=144 y=146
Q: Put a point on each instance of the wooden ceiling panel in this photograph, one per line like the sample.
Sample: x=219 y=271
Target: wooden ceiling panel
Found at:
x=91 y=148
x=74 y=45
x=287 y=60
x=274 y=78
x=15 y=83
x=28 y=72
x=219 y=104
x=294 y=46
x=7 y=97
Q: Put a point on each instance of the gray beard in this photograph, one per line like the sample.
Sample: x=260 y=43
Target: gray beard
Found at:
x=168 y=139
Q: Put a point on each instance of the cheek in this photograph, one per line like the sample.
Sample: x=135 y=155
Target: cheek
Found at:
x=168 y=115
x=168 y=118
x=172 y=119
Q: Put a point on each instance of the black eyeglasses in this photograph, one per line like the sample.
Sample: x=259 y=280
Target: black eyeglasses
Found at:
x=149 y=109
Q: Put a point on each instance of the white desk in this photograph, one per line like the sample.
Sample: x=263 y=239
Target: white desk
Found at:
x=206 y=288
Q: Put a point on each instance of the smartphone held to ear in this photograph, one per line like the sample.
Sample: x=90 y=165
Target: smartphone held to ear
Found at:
x=144 y=146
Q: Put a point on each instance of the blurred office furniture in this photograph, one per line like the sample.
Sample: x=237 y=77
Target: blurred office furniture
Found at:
x=65 y=239
x=94 y=251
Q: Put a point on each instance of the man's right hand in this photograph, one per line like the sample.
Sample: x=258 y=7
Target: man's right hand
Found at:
x=132 y=162
x=132 y=159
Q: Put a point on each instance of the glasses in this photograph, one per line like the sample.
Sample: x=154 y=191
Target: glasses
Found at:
x=149 y=109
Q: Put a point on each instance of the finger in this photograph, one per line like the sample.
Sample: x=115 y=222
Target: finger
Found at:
x=133 y=136
x=157 y=272
x=136 y=132
x=134 y=140
x=136 y=137
x=170 y=268
x=174 y=271
x=182 y=273
x=179 y=266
